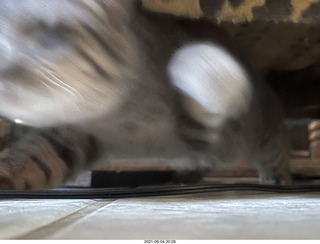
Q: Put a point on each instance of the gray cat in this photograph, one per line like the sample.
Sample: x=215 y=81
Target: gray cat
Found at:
x=91 y=79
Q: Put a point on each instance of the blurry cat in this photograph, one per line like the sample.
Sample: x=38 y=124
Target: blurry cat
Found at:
x=86 y=79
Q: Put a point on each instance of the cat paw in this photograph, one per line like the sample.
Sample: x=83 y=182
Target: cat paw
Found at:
x=275 y=179
x=6 y=179
x=6 y=183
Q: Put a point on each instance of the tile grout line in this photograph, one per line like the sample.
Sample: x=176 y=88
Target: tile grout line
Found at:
x=44 y=232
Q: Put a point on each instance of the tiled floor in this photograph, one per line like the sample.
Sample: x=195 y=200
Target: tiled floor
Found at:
x=214 y=216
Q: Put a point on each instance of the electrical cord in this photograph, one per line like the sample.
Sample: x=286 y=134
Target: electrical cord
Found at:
x=126 y=192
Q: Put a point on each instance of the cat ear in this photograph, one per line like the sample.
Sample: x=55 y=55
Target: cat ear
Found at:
x=213 y=82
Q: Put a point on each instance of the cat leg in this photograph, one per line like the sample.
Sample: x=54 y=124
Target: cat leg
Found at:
x=43 y=159
x=215 y=84
x=272 y=161
x=220 y=94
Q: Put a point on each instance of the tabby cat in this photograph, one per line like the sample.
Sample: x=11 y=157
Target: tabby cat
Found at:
x=85 y=80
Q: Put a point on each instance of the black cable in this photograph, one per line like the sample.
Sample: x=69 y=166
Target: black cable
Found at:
x=109 y=193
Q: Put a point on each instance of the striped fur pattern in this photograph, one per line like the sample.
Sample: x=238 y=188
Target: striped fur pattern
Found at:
x=257 y=26
x=85 y=80
x=40 y=159
x=241 y=11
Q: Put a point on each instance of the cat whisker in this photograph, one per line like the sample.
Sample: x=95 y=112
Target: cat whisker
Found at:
x=55 y=81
